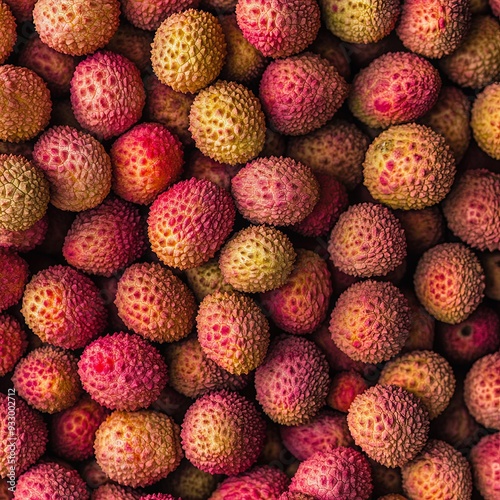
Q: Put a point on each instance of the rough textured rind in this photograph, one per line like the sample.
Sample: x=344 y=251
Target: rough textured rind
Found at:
x=439 y=471
x=257 y=259
x=337 y=149
x=73 y=430
x=485 y=461
x=13 y=343
x=111 y=491
x=149 y=15
x=278 y=28
x=194 y=374
x=422 y=325
x=222 y=433
x=342 y=473
x=107 y=94
x=367 y=241
x=22 y=9
x=47 y=378
x=449 y=282
x=476 y=62
x=77 y=167
x=485 y=120
x=25 y=101
x=450 y=117
x=202 y=167
x=146 y=160
x=325 y=431
x=8 y=35
x=206 y=279
x=293 y=381
x=30 y=439
x=364 y=22
x=155 y=303
x=260 y=483
x=276 y=191
x=434 y=29
x=346 y=385
x=409 y=167
x=232 y=331
x=370 y=321
x=122 y=371
x=301 y=93
x=390 y=424
x=395 y=88
x=301 y=304
x=24 y=241
x=189 y=222
x=14 y=275
x=188 y=50
x=105 y=239
x=76 y=27
x=64 y=307
x=227 y=123
x=482 y=390
x=51 y=480
x=138 y=448
x=424 y=373
x=24 y=193
x=472 y=209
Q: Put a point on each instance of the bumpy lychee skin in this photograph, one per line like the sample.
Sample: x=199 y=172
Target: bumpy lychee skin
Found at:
x=434 y=29
x=337 y=149
x=155 y=303
x=486 y=120
x=8 y=35
x=27 y=240
x=367 y=240
x=73 y=430
x=13 y=343
x=333 y=474
x=51 y=480
x=138 y=448
x=295 y=495
x=449 y=282
x=370 y=321
x=222 y=433
x=301 y=93
x=482 y=390
x=112 y=491
x=77 y=167
x=397 y=87
x=476 y=62
x=189 y=222
x=30 y=435
x=276 y=191
x=22 y=9
x=439 y=471
x=278 y=28
x=450 y=117
x=293 y=381
x=149 y=15
x=206 y=279
x=425 y=374
x=146 y=160
x=76 y=27
x=259 y=483
x=390 y=424
x=409 y=167
x=367 y=21
x=472 y=209
x=24 y=193
x=227 y=123
x=301 y=304
x=193 y=373
x=202 y=167
x=325 y=431
x=107 y=94
x=26 y=102
x=47 y=378
x=422 y=325
x=14 y=275
x=485 y=461
x=257 y=259
x=64 y=307
x=158 y=496
x=233 y=331
x=105 y=239
x=122 y=371
x=471 y=339
x=188 y=50
x=189 y=482
x=346 y=385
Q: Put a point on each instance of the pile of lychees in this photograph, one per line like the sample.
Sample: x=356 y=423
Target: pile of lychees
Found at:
x=249 y=249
